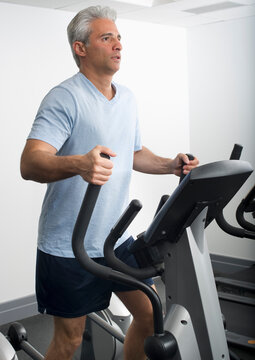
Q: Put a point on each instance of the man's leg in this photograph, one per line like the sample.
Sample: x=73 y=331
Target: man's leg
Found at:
x=140 y=307
x=66 y=339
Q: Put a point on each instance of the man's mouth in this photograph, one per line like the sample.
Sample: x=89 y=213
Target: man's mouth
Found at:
x=116 y=57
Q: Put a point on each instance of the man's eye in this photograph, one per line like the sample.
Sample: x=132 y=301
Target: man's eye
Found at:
x=105 y=38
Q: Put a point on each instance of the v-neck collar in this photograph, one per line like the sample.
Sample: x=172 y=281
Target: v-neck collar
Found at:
x=98 y=93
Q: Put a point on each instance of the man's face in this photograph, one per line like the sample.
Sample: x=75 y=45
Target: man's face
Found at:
x=103 y=50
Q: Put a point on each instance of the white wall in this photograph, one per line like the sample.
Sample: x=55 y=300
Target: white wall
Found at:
x=35 y=56
x=221 y=60
x=155 y=67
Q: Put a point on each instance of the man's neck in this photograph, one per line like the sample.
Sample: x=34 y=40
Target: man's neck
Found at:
x=102 y=82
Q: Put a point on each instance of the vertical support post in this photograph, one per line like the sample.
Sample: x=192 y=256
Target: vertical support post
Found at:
x=190 y=283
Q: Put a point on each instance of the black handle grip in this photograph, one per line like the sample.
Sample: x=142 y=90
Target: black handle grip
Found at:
x=125 y=220
x=191 y=157
x=132 y=210
x=236 y=152
x=162 y=201
x=105 y=156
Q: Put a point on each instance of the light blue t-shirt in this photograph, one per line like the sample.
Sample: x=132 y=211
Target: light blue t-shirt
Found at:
x=74 y=117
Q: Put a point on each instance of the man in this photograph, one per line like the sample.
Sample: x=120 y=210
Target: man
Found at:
x=84 y=116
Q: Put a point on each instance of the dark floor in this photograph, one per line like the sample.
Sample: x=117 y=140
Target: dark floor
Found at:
x=40 y=328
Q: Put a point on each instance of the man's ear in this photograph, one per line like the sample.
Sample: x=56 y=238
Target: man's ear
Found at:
x=79 y=48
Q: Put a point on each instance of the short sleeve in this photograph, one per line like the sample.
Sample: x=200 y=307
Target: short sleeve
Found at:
x=138 y=138
x=55 y=118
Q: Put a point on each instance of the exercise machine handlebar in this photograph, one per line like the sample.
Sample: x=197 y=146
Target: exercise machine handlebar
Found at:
x=105 y=272
x=247 y=205
x=236 y=152
x=191 y=157
x=115 y=233
x=247 y=230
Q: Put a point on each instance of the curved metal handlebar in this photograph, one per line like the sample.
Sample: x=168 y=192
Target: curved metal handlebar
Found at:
x=105 y=272
x=232 y=230
x=248 y=229
x=246 y=205
x=125 y=220
x=79 y=232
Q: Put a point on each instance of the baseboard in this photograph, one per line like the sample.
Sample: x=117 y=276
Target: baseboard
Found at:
x=18 y=309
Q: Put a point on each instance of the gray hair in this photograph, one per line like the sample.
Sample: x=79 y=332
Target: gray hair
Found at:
x=79 y=27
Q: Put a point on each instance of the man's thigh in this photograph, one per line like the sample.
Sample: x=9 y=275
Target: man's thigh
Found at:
x=137 y=303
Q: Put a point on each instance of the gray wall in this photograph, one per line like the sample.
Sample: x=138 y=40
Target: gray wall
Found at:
x=221 y=60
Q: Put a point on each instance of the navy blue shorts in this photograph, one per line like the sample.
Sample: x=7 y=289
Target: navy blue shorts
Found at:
x=65 y=289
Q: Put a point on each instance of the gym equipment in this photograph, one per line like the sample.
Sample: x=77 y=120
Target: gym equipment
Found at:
x=235 y=281
x=109 y=326
x=4 y=346
x=174 y=247
x=7 y=352
x=236 y=290
x=247 y=205
x=16 y=340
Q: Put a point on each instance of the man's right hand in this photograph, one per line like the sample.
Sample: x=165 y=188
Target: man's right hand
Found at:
x=94 y=168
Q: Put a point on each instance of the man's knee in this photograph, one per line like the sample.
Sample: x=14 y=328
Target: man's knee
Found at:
x=145 y=320
x=75 y=341
x=139 y=306
x=69 y=333
x=67 y=343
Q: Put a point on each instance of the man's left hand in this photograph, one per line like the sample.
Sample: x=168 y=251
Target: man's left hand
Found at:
x=178 y=166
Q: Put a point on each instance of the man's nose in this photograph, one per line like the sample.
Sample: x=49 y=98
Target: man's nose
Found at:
x=117 y=45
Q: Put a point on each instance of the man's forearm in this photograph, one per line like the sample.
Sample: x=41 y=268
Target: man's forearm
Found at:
x=45 y=167
x=147 y=162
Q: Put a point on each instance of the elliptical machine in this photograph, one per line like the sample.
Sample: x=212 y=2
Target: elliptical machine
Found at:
x=174 y=247
x=188 y=331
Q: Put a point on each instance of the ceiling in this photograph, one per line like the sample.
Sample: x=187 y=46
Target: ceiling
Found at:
x=185 y=13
